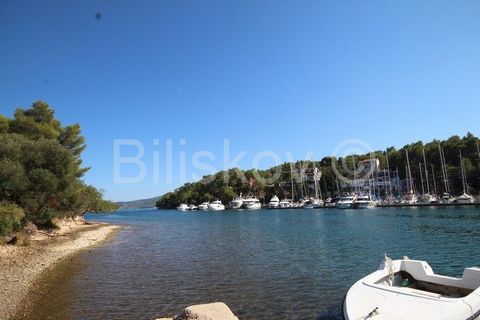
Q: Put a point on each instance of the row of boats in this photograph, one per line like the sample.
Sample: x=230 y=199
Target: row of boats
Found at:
x=250 y=203
x=346 y=201
x=253 y=203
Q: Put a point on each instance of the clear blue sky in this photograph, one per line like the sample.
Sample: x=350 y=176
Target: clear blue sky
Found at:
x=267 y=75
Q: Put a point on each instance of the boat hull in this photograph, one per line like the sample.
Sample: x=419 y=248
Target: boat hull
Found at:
x=236 y=205
x=216 y=208
x=409 y=289
x=364 y=205
x=344 y=205
x=464 y=201
x=253 y=207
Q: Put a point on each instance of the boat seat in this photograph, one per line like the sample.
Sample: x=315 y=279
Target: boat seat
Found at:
x=406 y=280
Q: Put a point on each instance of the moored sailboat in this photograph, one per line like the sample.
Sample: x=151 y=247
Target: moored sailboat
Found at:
x=285 y=203
x=465 y=198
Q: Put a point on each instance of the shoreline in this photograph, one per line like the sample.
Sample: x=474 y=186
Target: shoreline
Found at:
x=22 y=267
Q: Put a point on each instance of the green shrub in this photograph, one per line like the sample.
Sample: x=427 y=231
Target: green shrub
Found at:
x=44 y=218
x=22 y=239
x=10 y=218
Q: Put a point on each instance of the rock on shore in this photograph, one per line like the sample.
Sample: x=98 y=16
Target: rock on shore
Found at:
x=209 y=311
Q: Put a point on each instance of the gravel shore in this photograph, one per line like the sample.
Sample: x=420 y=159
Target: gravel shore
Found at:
x=20 y=267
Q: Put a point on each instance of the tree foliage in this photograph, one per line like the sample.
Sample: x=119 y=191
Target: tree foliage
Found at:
x=11 y=216
x=40 y=167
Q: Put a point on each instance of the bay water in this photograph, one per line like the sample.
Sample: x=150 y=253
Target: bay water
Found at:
x=264 y=264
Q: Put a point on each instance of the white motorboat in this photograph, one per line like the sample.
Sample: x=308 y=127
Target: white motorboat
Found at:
x=216 y=206
x=313 y=203
x=192 y=207
x=345 y=202
x=203 y=206
x=425 y=199
x=274 y=202
x=183 y=207
x=364 y=201
x=446 y=198
x=330 y=203
x=464 y=199
x=285 y=203
x=252 y=204
x=409 y=289
x=237 y=202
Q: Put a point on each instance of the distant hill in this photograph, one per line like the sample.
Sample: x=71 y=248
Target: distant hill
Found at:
x=138 y=204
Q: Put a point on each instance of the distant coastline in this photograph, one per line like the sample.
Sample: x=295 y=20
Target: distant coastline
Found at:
x=138 y=204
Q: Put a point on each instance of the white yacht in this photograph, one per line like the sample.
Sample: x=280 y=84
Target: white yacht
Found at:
x=237 y=202
x=285 y=203
x=446 y=198
x=203 y=206
x=364 y=201
x=192 y=207
x=252 y=204
x=464 y=199
x=425 y=199
x=216 y=206
x=183 y=207
x=409 y=289
x=346 y=202
x=274 y=202
x=330 y=203
x=313 y=203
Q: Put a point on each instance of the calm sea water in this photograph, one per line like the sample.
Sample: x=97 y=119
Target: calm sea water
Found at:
x=268 y=264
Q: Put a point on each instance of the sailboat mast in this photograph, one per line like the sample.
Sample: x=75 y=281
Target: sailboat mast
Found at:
x=398 y=181
x=408 y=179
x=409 y=173
x=462 y=168
x=443 y=168
x=301 y=182
x=354 y=174
x=426 y=171
x=372 y=187
x=421 y=176
x=318 y=180
x=446 y=170
x=388 y=175
x=291 y=180
x=433 y=178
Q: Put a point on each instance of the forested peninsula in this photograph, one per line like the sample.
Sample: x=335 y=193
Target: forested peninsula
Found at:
x=226 y=185
x=41 y=171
